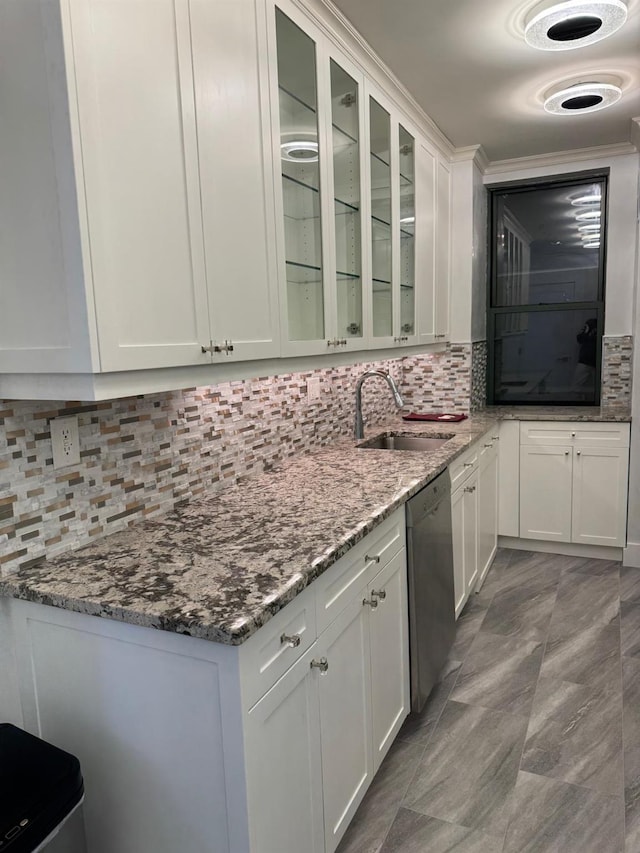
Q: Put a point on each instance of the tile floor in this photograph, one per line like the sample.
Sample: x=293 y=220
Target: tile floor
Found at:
x=530 y=743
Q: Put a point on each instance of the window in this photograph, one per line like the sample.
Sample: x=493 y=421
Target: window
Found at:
x=546 y=294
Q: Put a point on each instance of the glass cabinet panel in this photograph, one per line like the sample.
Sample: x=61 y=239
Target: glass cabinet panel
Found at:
x=346 y=179
x=381 y=254
x=407 y=232
x=299 y=157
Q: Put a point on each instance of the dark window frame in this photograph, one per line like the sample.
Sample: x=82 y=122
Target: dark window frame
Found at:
x=574 y=179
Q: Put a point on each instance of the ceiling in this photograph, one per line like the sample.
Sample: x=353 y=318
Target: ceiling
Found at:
x=468 y=66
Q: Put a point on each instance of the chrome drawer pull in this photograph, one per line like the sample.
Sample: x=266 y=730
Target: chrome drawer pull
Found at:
x=381 y=594
x=467 y=464
x=470 y=489
x=495 y=438
x=293 y=640
x=322 y=664
x=367 y=559
x=372 y=604
x=489 y=445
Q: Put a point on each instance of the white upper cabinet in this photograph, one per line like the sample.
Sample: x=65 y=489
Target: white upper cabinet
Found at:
x=235 y=162
x=134 y=150
x=393 y=223
x=194 y=182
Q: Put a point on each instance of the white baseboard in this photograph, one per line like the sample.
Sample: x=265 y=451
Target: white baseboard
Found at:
x=570 y=549
x=631 y=555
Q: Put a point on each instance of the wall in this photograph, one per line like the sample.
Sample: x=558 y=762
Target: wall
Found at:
x=142 y=455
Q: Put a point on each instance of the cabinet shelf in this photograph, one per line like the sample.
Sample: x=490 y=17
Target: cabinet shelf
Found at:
x=312 y=111
x=351 y=208
x=308 y=273
x=403 y=232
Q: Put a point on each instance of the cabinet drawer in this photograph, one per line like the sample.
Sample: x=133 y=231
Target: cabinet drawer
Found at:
x=337 y=586
x=268 y=655
x=593 y=434
x=461 y=467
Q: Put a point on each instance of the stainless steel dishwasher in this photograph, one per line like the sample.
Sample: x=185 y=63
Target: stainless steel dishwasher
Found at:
x=431 y=597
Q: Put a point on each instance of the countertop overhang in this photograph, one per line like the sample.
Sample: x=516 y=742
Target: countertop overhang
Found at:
x=221 y=566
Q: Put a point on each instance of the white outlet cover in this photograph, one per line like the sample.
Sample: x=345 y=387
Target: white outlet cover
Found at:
x=65 y=441
x=313 y=388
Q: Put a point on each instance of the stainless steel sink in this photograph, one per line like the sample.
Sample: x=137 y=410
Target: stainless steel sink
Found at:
x=404 y=442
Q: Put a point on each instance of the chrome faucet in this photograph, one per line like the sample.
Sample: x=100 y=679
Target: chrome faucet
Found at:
x=359 y=426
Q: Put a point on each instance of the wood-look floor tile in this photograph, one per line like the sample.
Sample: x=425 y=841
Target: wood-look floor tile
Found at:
x=499 y=672
x=418 y=728
x=630 y=628
x=583 y=602
x=377 y=811
x=575 y=734
x=416 y=833
x=523 y=612
x=555 y=817
x=630 y=584
x=590 y=657
x=469 y=768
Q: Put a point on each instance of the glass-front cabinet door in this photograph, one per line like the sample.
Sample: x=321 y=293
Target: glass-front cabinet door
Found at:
x=393 y=222
x=346 y=175
x=407 y=225
x=299 y=149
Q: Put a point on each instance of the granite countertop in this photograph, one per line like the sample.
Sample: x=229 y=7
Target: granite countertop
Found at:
x=221 y=566
x=617 y=414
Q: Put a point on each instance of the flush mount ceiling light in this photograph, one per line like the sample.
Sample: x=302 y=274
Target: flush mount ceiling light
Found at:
x=591 y=245
x=585 y=200
x=572 y=24
x=582 y=98
x=588 y=216
x=587 y=228
x=299 y=151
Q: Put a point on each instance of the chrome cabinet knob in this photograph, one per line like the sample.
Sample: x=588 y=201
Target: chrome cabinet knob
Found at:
x=566 y=453
x=380 y=593
x=467 y=464
x=495 y=438
x=368 y=559
x=573 y=435
x=470 y=489
x=372 y=604
x=322 y=664
x=292 y=640
x=577 y=453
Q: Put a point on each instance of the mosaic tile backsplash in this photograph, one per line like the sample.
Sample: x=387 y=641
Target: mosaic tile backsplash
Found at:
x=142 y=455
x=617 y=365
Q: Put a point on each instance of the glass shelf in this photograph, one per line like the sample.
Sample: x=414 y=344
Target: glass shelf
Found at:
x=307 y=273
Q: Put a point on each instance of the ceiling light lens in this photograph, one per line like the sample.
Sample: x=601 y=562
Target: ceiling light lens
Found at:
x=586 y=228
x=591 y=245
x=588 y=216
x=583 y=98
x=572 y=23
x=574 y=28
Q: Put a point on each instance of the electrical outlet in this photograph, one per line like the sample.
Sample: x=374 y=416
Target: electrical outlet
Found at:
x=65 y=441
x=313 y=388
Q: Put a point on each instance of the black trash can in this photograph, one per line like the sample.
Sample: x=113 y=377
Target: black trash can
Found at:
x=41 y=793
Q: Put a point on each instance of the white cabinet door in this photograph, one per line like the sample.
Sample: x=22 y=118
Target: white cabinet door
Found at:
x=284 y=769
x=443 y=249
x=600 y=477
x=388 y=633
x=509 y=465
x=135 y=108
x=426 y=164
x=464 y=522
x=487 y=508
x=470 y=490
x=457 y=524
x=345 y=717
x=545 y=492
x=234 y=147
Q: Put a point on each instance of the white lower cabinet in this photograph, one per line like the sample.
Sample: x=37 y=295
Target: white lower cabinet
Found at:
x=573 y=482
x=474 y=516
x=282 y=738
x=389 y=655
x=190 y=745
x=487 y=505
x=464 y=517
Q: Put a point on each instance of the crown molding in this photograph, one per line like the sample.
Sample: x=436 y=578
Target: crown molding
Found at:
x=342 y=32
x=635 y=132
x=474 y=153
x=560 y=158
